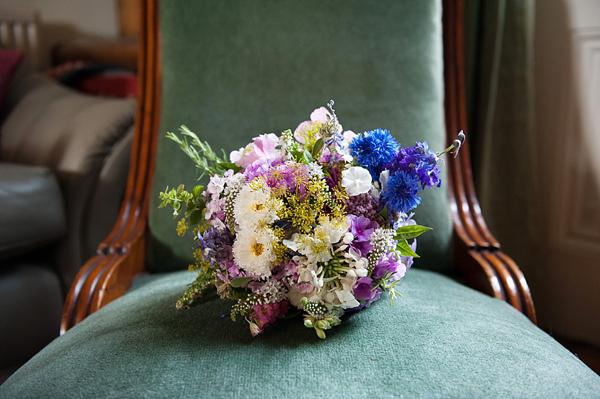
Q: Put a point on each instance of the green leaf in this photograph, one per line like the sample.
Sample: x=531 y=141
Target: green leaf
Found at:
x=240 y=281
x=408 y=232
x=229 y=165
x=197 y=191
x=195 y=217
x=316 y=150
x=405 y=249
x=320 y=333
x=307 y=157
x=383 y=213
x=296 y=154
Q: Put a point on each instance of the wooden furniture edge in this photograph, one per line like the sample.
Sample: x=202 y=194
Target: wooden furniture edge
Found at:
x=479 y=258
x=109 y=274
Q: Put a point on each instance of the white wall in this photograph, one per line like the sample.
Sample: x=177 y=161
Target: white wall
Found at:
x=64 y=20
x=567 y=120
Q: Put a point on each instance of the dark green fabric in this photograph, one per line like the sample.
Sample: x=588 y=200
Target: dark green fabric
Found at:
x=232 y=70
x=499 y=74
x=440 y=339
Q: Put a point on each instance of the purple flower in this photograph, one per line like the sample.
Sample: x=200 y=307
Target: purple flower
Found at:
x=417 y=160
x=216 y=245
x=261 y=167
x=328 y=157
x=363 y=289
x=387 y=264
x=362 y=228
x=290 y=176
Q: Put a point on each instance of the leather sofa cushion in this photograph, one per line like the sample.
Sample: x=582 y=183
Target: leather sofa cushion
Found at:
x=32 y=211
x=31 y=302
x=441 y=339
x=77 y=136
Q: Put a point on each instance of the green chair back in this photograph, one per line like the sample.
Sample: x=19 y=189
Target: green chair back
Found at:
x=234 y=69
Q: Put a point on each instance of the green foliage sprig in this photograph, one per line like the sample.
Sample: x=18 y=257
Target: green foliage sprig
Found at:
x=178 y=198
x=194 y=291
x=201 y=153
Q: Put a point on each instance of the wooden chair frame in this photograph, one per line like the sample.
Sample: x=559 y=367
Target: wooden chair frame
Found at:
x=121 y=255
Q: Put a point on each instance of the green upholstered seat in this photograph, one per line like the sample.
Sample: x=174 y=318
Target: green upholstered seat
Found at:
x=235 y=69
x=440 y=339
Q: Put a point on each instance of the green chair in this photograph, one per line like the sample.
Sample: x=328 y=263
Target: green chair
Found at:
x=234 y=69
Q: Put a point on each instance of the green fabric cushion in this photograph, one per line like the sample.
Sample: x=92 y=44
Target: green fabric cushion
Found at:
x=232 y=70
x=440 y=339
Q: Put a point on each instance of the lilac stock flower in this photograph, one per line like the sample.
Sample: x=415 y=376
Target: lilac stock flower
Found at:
x=400 y=193
x=374 y=148
x=261 y=167
x=328 y=157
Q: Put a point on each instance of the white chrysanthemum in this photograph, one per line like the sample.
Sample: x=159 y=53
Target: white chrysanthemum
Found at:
x=356 y=180
x=253 y=206
x=253 y=251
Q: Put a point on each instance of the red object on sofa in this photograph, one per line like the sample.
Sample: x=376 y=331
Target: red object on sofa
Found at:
x=113 y=85
x=9 y=60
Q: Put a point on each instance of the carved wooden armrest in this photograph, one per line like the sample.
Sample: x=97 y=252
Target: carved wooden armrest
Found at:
x=109 y=274
x=484 y=266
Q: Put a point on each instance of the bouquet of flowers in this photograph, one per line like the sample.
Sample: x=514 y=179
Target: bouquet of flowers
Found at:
x=317 y=220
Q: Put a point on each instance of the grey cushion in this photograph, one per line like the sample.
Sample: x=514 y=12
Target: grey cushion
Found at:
x=441 y=339
x=32 y=211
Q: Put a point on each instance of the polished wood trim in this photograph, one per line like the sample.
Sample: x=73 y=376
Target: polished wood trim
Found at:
x=479 y=257
x=121 y=255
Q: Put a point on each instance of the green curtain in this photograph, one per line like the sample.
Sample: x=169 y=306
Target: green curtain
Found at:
x=498 y=67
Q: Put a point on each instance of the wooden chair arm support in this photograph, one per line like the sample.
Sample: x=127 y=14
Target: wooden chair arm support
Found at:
x=102 y=279
x=121 y=256
x=478 y=255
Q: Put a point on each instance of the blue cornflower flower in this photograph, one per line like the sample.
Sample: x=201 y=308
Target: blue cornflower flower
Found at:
x=418 y=160
x=400 y=193
x=373 y=148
